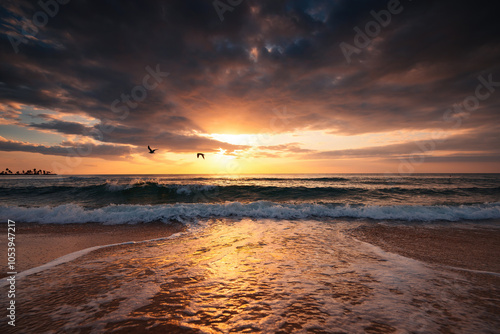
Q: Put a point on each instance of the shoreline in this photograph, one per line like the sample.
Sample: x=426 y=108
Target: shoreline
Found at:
x=39 y=244
x=215 y=277
x=470 y=250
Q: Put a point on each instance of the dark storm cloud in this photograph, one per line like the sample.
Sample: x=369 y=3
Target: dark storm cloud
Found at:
x=477 y=146
x=264 y=53
x=167 y=141
x=67 y=149
x=461 y=158
x=62 y=127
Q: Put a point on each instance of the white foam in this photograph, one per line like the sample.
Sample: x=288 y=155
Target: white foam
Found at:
x=124 y=214
x=474 y=271
x=115 y=186
x=409 y=261
x=272 y=267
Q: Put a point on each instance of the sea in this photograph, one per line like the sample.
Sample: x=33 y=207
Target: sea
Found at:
x=124 y=199
x=257 y=254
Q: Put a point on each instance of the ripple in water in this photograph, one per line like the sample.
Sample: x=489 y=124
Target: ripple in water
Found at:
x=250 y=276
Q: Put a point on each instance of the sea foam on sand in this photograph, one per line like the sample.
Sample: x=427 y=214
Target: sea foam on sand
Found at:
x=255 y=275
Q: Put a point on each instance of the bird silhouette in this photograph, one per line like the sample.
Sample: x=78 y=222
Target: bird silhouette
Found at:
x=151 y=151
x=202 y=155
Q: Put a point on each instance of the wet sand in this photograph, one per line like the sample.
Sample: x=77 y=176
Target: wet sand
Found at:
x=37 y=244
x=472 y=249
x=470 y=252
x=269 y=277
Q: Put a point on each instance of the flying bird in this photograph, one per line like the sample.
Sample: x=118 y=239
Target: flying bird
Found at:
x=151 y=151
x=202 y=155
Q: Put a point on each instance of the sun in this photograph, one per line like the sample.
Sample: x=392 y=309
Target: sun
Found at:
x=223 y=155
x=240 y=139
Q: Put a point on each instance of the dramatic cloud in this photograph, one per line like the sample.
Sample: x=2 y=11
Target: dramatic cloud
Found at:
x=62 y=127
x=170 y=73
x=481 y=145
x=70 y=149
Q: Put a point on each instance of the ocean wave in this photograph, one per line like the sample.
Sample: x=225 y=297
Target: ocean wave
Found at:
x=145 y=185
x=154 y=192
x=293 y=179
x=181 y=189
x=126 y=214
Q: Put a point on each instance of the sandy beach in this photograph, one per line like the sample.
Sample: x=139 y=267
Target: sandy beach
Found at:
x=37 y=244
x=474 y=249
x=472 y=252
x=269 y=276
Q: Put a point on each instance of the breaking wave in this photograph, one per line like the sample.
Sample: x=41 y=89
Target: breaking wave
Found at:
x=127 y=214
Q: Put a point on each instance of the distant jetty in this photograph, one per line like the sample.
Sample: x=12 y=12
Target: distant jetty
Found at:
x=33 y=171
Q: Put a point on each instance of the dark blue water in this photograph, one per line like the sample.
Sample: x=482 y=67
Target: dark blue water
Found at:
x=138 y=198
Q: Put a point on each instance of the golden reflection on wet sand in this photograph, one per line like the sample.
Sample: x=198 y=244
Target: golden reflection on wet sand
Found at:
x=251 y=276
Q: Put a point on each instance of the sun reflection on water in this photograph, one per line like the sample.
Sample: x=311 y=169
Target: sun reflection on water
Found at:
x=242 y=276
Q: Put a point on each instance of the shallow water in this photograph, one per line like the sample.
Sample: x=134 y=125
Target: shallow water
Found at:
x=265 y=276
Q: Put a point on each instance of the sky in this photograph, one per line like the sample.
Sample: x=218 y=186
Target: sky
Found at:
x=339 y=86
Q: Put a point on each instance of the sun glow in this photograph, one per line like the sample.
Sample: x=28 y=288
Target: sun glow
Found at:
x=240 y=139
x=222 y=156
